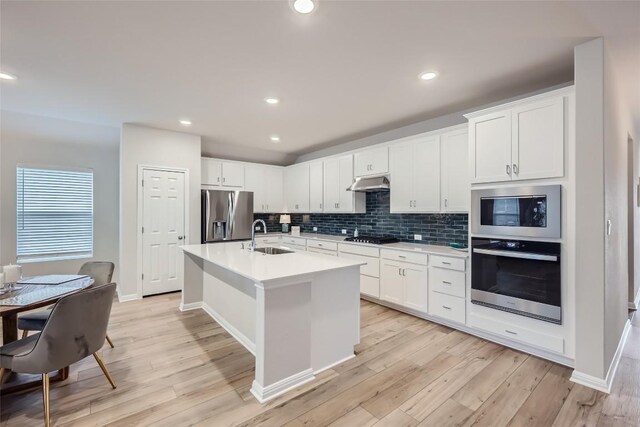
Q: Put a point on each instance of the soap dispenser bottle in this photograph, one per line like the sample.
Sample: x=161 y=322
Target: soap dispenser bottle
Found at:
x=355 y=232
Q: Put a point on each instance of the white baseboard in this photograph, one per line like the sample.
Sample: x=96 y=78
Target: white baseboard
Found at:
x=635 y=305
x=190 y=306
x=263 y=394
x=604 y=384
x=130 y=297
x=242 y=338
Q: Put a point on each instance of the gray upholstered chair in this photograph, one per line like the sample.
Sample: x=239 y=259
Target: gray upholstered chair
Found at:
x=100 y=271
x=76 y=329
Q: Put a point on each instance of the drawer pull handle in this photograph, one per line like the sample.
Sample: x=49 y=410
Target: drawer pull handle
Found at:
x=446 y=308
x=510 y=332
x=319 y=244
x=446 y=283
x=446 y=263
x=401 y=256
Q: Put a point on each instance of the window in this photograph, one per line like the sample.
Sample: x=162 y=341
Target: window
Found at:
x=54 y=213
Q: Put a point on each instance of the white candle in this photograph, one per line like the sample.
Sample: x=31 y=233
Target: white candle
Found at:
x=1 y=279
x=11 y=273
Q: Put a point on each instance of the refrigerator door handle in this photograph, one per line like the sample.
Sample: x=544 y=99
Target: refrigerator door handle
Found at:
x=229 y=228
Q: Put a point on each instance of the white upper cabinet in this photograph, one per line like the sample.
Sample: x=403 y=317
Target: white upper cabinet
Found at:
x=490 y=151
x=222 y=174
x=232 y=175
x=524 y=141
x=538 y=140
x=415 y=175
x=254 y=181
x=266 y=183
x=374 y=161
x=455 y=191
x=211 y=172
x=297 y=188
x=426 y=175
x=316 y=185
x=338 y=176
x=274 y=186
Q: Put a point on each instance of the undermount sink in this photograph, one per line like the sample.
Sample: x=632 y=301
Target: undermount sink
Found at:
x=273 y=251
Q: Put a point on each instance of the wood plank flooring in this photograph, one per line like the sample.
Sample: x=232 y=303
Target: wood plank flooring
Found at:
x=179 y=369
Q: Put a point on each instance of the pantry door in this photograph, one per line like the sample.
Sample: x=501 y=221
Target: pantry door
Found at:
x=163 y=231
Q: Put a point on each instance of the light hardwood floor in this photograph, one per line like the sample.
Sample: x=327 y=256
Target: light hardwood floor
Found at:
x=177 y=369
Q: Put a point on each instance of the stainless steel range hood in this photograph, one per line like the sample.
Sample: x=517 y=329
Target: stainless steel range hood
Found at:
x=371 y=183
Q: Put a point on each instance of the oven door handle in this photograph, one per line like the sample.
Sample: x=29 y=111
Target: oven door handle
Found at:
x=522 y=255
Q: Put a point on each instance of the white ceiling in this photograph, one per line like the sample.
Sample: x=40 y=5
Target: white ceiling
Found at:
x=348 y=70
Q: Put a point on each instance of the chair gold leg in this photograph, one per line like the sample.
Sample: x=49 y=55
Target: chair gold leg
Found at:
x=109 y=341
x=25 y=334
x=104 y=369
x=2 y=372
x=45 y=398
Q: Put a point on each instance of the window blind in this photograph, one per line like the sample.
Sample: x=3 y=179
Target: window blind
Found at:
x=54 y=214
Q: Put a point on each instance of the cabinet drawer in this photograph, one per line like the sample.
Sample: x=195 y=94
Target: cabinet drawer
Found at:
x=517 y=333
x=372 y=268
x=322 y=251
x=370 y=286
x=403 y=256
x=287 y=240
x=321 y=244
x=447 y=307
x=359 y=250
x=448 y=262
x=450 y=282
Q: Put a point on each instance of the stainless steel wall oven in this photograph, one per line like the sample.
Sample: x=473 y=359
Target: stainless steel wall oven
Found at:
x=517 y=276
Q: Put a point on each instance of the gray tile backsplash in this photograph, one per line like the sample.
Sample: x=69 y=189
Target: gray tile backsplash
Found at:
x=436 y=229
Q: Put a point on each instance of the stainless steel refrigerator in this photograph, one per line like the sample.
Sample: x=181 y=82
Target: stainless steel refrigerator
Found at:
x=226 y=215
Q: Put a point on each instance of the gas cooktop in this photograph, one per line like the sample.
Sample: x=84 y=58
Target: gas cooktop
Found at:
x=374 y=240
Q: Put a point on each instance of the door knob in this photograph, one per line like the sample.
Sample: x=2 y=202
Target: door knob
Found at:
x=180 y=237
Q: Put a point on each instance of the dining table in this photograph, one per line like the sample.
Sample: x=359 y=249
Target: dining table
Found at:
x=28 y=297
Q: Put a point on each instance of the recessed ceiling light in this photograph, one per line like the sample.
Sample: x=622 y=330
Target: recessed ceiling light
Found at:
x=304 y=6
x=185 y=122
x=428 y=75
x=271 y=100
x=7 y=76
x=275 y=138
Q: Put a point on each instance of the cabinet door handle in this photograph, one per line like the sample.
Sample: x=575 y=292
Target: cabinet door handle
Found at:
x=446 y=283
x=399 y=272
x=224 y=179
x=218 y=179
x=319 y=244
x=404 y=272
x=509 y=170
x=446 y=203
x=401 y=256
x=515 y=169
x=267 y=207
x=446 y=307
x=510 y=332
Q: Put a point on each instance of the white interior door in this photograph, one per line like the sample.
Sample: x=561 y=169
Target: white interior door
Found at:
x=163 y=216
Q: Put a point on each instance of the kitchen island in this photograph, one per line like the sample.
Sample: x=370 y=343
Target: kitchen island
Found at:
x=298 y=313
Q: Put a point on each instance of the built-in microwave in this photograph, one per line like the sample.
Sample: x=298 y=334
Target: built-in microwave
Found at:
x=532 y=211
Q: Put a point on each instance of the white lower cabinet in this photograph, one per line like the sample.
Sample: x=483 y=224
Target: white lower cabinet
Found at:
x=370 y=272
x=517 y=333
x=322 y=251
x=404 y=284
x=447 y=306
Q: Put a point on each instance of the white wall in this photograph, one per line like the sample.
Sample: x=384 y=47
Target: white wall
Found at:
x=141 y=145
x=603 y=123
x=39 y=140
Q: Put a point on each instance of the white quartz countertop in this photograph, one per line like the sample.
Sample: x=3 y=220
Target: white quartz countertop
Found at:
x=260 y=267
x=401 y=246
